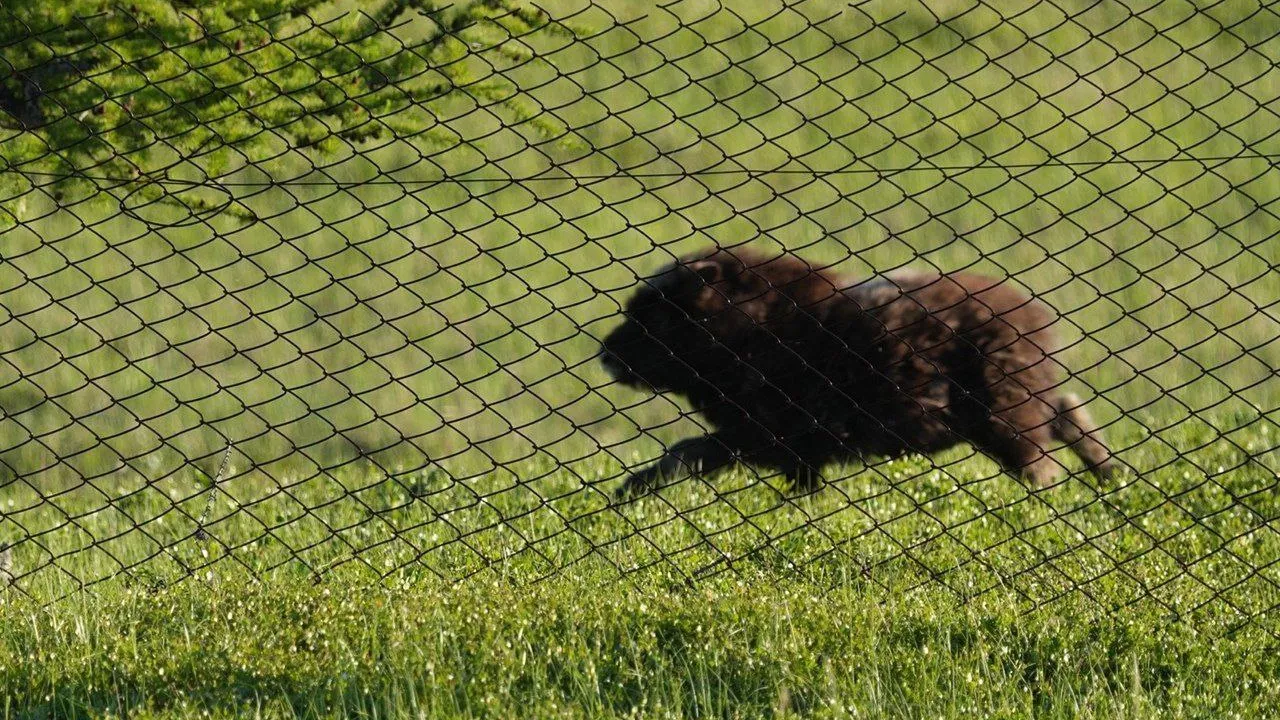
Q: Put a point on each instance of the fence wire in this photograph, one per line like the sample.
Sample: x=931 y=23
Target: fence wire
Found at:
x=411 y=293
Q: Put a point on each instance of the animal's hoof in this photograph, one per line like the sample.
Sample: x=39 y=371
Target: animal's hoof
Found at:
x=1043 y=473
x=625 y=493
x=1109 y=471
x=800 y=489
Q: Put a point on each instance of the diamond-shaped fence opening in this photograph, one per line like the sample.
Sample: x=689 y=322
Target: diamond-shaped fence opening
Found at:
x=965 y=297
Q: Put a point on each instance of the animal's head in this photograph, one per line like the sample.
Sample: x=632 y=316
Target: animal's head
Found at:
x=694 y=318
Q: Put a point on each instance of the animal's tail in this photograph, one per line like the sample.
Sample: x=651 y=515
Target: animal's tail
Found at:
x=1074 y=426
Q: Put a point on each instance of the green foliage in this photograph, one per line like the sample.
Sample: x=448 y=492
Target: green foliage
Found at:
x=155 y=96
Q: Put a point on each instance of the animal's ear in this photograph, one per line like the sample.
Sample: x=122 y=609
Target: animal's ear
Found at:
x=709 y=270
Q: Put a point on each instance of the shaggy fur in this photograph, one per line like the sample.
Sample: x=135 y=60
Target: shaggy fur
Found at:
x=794 y=368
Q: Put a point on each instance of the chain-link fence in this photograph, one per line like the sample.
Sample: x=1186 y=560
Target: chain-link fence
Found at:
x=327 y=291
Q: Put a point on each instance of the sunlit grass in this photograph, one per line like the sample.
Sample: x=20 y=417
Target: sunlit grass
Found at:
x=755 y=644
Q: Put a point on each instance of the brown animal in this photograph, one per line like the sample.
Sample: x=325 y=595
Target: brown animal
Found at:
x=794 y=368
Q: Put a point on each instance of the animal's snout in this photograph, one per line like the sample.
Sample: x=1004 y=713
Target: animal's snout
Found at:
x=610 y=361
x=618 y=369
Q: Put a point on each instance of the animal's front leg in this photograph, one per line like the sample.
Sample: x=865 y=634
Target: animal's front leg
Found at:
x=803 y=478
x=695 y=456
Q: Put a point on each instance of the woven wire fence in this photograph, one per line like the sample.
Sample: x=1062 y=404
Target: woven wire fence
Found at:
x=411 y=293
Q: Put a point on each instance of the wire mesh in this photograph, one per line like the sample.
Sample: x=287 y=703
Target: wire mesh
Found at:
x=328 y=292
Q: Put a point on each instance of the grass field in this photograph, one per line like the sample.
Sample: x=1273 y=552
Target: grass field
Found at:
x=399 y=356
x=755 y=645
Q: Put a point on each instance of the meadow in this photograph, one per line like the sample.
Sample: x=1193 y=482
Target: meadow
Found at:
x=395 y=357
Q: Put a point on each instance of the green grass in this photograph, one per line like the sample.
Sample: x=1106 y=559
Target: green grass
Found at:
x=904 y=591
x=754 y=645
x=1192 y=531
x=403 y=374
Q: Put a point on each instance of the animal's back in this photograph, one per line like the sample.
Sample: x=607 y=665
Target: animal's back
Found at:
x=942 y=351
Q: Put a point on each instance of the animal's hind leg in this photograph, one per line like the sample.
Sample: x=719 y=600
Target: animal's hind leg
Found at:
x=1018 y=434
x=1022 y=451
x=1073 y=425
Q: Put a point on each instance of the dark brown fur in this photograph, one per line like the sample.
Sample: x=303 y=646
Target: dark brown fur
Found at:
x=794 y=368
